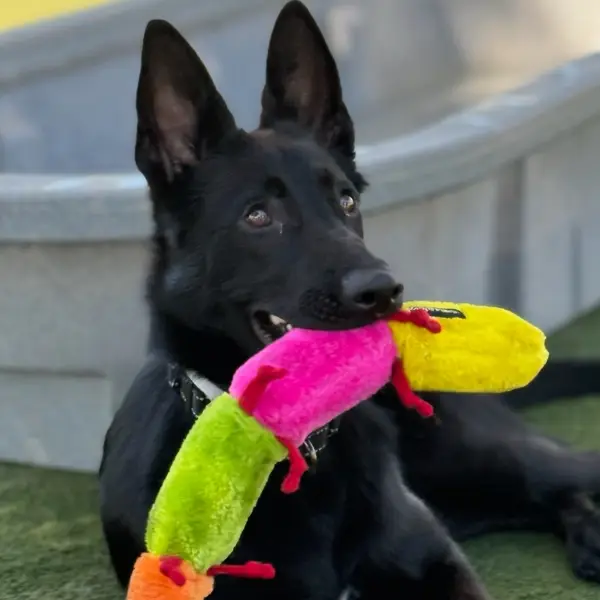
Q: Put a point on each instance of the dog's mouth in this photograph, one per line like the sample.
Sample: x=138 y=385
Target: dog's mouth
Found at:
x=268 y=327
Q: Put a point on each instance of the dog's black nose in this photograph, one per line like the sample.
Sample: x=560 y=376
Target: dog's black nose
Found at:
x=370 y=291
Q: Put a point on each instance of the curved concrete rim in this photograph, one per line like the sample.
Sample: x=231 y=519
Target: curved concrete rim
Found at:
x=453 y=152
x=50 y=45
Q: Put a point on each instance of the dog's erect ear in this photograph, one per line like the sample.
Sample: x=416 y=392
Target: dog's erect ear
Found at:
x=303 y=84
x=181 y=116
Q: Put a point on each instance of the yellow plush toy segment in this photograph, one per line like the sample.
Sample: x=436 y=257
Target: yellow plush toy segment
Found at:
x=480 y=349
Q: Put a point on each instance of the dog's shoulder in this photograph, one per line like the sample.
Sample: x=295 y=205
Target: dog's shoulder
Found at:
x=147 y=393
x=149 y=426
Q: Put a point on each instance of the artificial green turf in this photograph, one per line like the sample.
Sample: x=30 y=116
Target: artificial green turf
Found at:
x=50 y=542
x=524 y=566
x=534 y=567
x=51 y=546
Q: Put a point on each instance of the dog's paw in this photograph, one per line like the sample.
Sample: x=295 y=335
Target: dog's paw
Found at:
x=583 y=545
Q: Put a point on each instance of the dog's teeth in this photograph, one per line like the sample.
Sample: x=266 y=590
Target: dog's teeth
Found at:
x=277 y=320
x=288 y=327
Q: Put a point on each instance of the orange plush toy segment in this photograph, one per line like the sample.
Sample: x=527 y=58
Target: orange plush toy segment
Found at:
x=167 y=578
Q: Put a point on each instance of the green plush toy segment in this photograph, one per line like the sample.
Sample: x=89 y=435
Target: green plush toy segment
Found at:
x=213 y=485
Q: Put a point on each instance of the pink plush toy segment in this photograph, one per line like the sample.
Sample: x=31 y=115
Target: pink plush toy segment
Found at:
x=326 y=373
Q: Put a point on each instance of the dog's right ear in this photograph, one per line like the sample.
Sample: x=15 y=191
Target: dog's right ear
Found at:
x=181 y=115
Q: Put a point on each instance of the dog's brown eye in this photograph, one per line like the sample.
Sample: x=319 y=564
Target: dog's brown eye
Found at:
x=258 y=217
x=349 y=204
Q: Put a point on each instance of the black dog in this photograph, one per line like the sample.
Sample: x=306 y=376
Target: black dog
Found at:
x=255 y=231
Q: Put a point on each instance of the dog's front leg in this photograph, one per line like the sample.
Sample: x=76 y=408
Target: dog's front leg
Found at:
x=448 y=577
x=413 y=556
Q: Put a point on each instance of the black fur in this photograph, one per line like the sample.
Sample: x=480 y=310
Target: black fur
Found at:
x=378 y=512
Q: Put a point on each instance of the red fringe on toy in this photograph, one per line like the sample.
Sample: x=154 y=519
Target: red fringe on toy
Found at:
x=419 y=317
x=298 y=467
x=170 y=567
x=255 y=389
x=251 y=570
x=406 y=395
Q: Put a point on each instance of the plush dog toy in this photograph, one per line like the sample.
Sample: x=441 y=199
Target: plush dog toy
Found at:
x=293 y=387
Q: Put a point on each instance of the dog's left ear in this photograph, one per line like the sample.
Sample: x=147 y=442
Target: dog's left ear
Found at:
x=303 y=84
